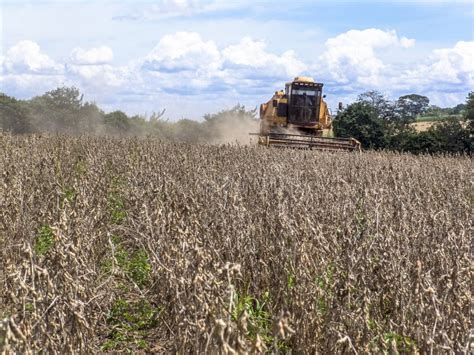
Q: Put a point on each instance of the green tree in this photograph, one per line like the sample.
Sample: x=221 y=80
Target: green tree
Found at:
x=189 y=131
x=410 y=106
x=57 y=110
x=448 y=136
x=458 y=109
x=65 y=98
x=90 y=119
x=13 y=115
x=454 y=138
x=117 y=122
x=382 y=106
x=238 y=112
x=433 y=110
x=361 y=121
x=469 y=113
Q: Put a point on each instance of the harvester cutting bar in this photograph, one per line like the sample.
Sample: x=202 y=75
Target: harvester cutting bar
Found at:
x=308 y=142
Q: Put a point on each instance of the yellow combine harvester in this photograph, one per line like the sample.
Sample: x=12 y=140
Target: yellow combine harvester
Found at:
x=299 y=117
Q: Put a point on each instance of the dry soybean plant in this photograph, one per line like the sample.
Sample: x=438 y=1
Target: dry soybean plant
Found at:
x=111 y=245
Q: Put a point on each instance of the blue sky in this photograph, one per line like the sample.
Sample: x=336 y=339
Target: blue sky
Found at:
x=193 y=57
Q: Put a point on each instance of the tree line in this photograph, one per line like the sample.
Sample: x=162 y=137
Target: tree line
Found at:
x=65 y=111
x=379 y=123
x=375 y=121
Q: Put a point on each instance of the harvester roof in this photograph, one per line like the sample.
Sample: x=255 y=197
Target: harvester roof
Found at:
x=305 y=81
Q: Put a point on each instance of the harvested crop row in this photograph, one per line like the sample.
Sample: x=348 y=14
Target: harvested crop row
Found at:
x=112 y=244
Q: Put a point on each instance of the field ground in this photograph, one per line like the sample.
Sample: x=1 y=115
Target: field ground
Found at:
x=423 y=123
x=421 y=126
x=136 y=245
x=428 y=118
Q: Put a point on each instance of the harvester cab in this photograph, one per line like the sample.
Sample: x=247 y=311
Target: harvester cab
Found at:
x=303 y=103
x=299 y=117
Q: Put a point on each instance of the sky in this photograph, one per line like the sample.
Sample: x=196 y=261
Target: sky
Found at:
x=193 y=57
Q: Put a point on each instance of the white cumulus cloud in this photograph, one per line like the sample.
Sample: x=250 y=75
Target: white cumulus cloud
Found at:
x=185 y=62
x=92 y=69
x=100 y=76
x=189 y=68
x=26 y=57
x=183 y=51
x=352 y=56
x=252 y=55
x=93 y=56
x=455 y=65
x=446 y=75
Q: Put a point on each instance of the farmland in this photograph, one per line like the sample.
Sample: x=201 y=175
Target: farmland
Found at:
x=423 y=123
x=115 y=244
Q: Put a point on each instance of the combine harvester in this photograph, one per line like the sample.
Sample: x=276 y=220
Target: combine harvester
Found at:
x=299 y=118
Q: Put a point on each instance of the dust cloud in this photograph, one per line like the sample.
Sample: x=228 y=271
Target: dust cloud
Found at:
x=230 y=130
